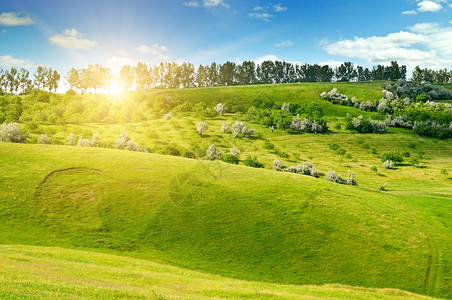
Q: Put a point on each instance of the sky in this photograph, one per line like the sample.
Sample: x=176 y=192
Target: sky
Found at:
x=64 y=34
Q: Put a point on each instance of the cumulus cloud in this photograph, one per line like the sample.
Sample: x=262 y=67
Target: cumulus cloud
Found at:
x=429 y=6
x=426 y=44
x=8 y=61
x=279 y=8
x=409 y=12
x=207 y=3
x=14 y=19
x=284 y=44
x=265 y=16
x=72 y=38
x=159 y=51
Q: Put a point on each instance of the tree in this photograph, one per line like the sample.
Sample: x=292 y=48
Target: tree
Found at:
x=73 y=78
x=125 y=78
x=143 y=76
x=25 y=82
x=201 y=127
x=201 y=76
x=187 y=73
x=228 y=73
x=13 y=81
x=212 y=74
x=346 y=72
x=55 y=77
x=40 y=77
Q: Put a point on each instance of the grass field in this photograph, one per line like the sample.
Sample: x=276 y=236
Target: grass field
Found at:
x=42 y=272
x=258 y=225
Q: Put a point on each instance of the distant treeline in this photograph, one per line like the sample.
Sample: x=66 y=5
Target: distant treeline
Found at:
x=185 y=75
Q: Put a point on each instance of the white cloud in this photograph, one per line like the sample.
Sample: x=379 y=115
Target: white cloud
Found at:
x=71 y=38
x=279 y=8
x=429 y=6
x=332 y=63
x=427 y=44
x=207 y=3
x=262 y=16
x=192 y=4
x=14 y=19
x=409 y=12
x=159 y=51
x=259 y=8
x=284 y=44
x=266 y=57
x=9 y=62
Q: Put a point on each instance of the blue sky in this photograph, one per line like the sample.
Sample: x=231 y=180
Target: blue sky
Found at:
x=64 y=34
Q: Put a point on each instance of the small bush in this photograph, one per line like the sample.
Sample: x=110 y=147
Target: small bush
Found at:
x=201 y=127
x=235 y=152
x=268 y=145
x=444 y=172
x=43 y=139
x=333 y=147
x=231 y=159
x=251 y=161
x=389 y=164
x=212 y=153
x=374 y=168
x=392 y=155
x=333 y=177
x=71 y=140
x=413 y=161
x=277 y=165
x=11 y=133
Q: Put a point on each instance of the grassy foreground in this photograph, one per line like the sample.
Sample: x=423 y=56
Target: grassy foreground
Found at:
x=230 y=220
x=42 y=272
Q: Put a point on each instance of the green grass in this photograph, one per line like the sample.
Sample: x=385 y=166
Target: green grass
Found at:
x=262 y=226
x=42 y=272
x=240 y=222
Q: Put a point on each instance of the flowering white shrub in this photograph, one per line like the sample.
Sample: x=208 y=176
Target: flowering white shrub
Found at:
x=389 y=164
x=122 y=140
x=333 y=177
x=11 y=133
x=241 y=128
x=201 y=127
x=133 y=146
x=212 y=153
x=71 y=139
x=335 y=97
x=399 y=121
x=305 y=125
x=306 y=168
x=350 y=180
x=43 y=139
x=367 y=106
x=277 y=165
x=220 y=109
x=388 y=95
x=168 y=116
x=235 y=152
x=225 y=127
x=285 y=107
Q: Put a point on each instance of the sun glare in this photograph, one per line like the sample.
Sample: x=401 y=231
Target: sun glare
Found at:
x=114 y=88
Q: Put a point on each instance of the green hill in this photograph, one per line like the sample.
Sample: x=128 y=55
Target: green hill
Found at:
x=42 y=272
x=235 y=221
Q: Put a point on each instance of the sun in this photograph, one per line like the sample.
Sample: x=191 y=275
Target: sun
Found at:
x=114 y=88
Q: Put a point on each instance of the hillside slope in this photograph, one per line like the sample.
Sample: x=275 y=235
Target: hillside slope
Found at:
x=30 y=271
x=230 y=220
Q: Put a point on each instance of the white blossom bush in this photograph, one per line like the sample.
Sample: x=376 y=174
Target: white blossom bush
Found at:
x=95 y=140
x=220 y=109
x=333 y=177
x=350 y=180
x=389 y=164
x=399 y=121
x=225 y=127
x=367 y=106
x=212 y=153
x=277 y=165
x=121 y=142
x=388 y=95
x=168 y=116
x=84 y=142
x=335 y=97
x=355 y=102
x=305 y=125
x=133 y=146
x=43 y=139
x=201 y=127
x=306 y=168
x=71 y=140
x=383 y=105
x=235 y=152
x=285 y=107
x=241 y=128
x=11 y=133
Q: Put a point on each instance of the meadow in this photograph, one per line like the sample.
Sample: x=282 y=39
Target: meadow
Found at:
x=276 y=233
